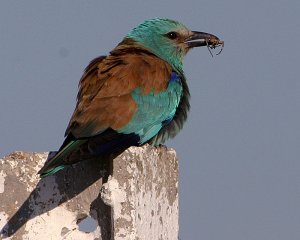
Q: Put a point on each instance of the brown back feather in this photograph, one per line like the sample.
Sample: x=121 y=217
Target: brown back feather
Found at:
x=104 y=98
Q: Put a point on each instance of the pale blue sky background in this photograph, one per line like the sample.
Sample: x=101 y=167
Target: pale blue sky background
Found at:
x=239 y=152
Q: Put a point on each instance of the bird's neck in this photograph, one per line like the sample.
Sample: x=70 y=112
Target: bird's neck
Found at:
x=130 y=45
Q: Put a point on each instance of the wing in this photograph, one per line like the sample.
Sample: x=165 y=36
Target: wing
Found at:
x=105 y=98
x=172 y=127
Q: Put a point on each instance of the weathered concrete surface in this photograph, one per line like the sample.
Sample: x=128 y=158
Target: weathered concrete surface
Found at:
x=141 y=186
x=50 y=208
x=143 y=194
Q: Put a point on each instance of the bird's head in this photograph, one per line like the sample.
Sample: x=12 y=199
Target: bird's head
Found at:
x=170 y=40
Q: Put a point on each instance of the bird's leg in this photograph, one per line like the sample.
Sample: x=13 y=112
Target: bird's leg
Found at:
x=161 y=146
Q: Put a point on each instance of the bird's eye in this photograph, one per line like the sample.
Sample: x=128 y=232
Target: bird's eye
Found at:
x=172 y=35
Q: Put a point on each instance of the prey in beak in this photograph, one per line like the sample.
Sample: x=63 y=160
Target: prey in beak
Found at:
x=199 y=39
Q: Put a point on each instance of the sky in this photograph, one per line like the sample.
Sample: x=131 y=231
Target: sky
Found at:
x=239 y=152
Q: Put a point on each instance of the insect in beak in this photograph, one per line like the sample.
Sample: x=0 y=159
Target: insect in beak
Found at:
x=199 y=39
x=214 y=44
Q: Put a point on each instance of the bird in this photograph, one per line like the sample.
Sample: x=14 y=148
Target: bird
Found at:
x=137 y=94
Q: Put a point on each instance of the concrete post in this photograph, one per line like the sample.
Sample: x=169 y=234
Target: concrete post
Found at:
x=134 y=196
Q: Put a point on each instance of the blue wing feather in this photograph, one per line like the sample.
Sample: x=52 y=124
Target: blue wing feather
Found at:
x=154 y=109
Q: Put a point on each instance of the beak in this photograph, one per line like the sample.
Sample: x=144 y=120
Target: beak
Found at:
x=199 y=39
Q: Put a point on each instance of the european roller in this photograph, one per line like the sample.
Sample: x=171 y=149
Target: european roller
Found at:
x=137 y=94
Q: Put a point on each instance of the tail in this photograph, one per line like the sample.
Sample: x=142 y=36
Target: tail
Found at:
x=57 y=162
x=75 y=150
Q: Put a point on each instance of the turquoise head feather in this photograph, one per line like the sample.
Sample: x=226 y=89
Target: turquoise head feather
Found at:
x=163 y=37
